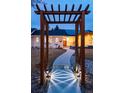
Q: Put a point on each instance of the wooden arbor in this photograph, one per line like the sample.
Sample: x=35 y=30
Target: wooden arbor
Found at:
x=78 y=20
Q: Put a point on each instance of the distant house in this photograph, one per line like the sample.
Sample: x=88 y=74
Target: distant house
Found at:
x=61 y=38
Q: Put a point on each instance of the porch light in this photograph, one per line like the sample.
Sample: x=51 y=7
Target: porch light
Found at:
x=64 y=39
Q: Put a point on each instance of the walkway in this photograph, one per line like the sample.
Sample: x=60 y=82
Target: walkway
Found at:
x=62 y=78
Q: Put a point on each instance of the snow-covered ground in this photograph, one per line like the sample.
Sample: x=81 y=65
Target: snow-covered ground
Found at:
x=62 y=77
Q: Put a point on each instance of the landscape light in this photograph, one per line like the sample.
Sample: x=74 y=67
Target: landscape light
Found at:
x=78 y=74
x=47 y=74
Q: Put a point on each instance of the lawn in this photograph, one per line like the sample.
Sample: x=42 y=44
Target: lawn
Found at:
x=35 y=56
x=89 y=54
x=53 y=54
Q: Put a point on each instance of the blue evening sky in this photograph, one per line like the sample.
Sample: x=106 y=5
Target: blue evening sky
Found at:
x=35 y=19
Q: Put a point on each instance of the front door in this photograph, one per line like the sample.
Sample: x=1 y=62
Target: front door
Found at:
x=64 y=42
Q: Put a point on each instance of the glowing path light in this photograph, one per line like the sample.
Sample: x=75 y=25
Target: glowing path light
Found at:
x=64 y=82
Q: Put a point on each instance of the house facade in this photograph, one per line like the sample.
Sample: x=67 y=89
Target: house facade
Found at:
x=60 y=38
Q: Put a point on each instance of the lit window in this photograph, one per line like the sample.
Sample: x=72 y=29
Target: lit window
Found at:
x=67 y=38
x=37 y=39
x=50 y=40
x=57 y=39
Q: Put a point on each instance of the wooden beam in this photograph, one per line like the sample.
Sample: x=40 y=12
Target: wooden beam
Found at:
x=45 y=19
x=65 y=11
x=61 y=22
x=42 y=68
x=76 y=44
x=79 y=9
x=59 y=11
x=71 y=14
x=47 y=45
x=87 y=12
x=38 y=8
x=46 y=10
x=52 y=12
x=75 y=17
x=87 y=7
x=79 y=18
x=82 y=49
x=45 y=7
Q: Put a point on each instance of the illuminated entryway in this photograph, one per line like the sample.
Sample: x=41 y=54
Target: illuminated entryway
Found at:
x=78 y=20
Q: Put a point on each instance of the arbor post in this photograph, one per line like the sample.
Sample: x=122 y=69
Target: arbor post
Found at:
x=82 y=48
x=76 y=44
x=47 y=45
x=42 y=66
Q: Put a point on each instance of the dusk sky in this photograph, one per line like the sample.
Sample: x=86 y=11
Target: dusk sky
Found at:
x=35 y=19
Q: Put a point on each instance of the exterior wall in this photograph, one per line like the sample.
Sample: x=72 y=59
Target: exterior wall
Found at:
x=35 y=41
x=54 y=41
x=58 y=41
x=88 y=39
x=71 y=41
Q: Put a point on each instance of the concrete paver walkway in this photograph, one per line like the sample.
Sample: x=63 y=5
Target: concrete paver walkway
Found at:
x=62 y=78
